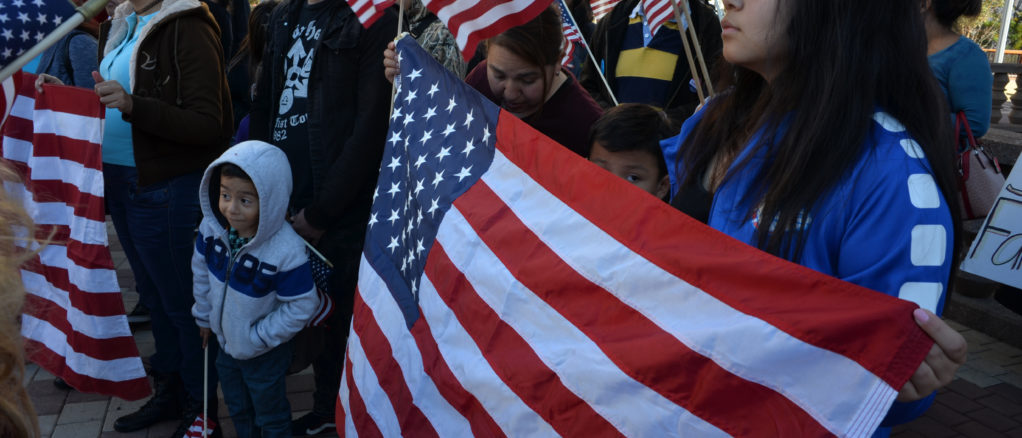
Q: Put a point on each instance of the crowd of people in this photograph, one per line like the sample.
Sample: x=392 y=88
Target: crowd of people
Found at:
x=825 y=112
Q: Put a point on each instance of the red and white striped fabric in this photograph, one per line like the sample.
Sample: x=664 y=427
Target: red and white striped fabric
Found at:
x=196 y=429
x=368 y=11
x=473 y=21
x=657 y=13
x=74 y=324
x=602 y=7
x=539 y=295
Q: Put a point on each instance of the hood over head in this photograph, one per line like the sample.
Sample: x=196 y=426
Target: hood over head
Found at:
x=270 y=171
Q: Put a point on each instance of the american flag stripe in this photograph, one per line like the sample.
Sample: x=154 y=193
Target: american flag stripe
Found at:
x=360 y=415
x=382 y=361
x=602 y=7
x=74 y=324
x=657 y=13
x=576 y=359
x=637 y=393
x=94 y=346
x=505 y=349
x=368 y=11
x=482 y=423
x=472 y=21
x=381 y=331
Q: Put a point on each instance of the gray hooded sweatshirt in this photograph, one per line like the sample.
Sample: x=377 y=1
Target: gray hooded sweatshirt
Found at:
x=270 y=294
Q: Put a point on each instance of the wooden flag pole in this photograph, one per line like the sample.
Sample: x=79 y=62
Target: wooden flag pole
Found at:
x=688 y=51
x=698 y=47
x=596 y=64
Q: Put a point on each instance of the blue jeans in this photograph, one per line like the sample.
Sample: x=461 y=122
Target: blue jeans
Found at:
x=255 y=392
x=156 y=226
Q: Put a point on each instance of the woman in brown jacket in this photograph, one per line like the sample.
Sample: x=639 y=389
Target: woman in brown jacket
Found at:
x=161 y=77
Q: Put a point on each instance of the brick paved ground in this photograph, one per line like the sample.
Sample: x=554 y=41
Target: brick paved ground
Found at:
x=984 y=401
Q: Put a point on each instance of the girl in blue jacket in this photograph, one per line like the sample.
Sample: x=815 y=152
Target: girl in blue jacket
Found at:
x=829 y=146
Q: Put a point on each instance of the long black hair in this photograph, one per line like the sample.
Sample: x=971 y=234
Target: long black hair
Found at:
x=844 y=61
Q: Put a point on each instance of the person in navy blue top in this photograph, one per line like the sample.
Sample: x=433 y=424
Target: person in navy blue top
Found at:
x=853 y=181
x=959 y=64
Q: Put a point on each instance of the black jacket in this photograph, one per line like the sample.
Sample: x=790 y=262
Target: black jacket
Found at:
x=606 y=46
x=348 y=105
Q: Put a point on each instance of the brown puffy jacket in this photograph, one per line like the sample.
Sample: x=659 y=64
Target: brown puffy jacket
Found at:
x=181 y=107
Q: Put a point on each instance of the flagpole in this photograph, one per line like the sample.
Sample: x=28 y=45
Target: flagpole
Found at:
x=84 y=12
x=698 y=47
x=393 y=84
x=688 y=51
x=596 y=64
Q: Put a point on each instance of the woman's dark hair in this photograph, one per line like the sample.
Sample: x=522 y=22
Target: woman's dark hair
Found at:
x=233 y=171
x=633 y=127
x=948 y=11
x=845 y=60
x=538 y=42
x=254 y=43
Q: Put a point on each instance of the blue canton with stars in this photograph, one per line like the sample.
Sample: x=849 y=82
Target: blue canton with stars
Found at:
x=23 y=23
x=441 y=140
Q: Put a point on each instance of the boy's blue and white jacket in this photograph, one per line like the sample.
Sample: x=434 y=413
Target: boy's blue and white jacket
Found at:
x=884 y=226
x=265 y=294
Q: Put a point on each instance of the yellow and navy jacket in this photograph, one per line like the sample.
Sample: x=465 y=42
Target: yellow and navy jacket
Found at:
x=654 y=73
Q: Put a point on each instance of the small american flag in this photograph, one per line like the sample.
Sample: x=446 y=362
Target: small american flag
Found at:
x=368 y=11
x=657 y=12
x=571 y=34
x=23 y=23
x=320 y=274
x=473 y=21
x=510 y=288
x=196 y=429
x=602 y=7
x=73 y=323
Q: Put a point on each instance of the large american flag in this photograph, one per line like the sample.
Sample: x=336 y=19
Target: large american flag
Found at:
x=23 y=23
x=73 y=323
x=510 y=288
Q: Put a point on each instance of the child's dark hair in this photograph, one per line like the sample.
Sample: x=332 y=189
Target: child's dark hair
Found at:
x=633 y=127
x=948 y=11
x=232 y=170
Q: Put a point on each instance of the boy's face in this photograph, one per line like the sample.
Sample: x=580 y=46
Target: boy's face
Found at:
x=239 y=203
x=637 y=167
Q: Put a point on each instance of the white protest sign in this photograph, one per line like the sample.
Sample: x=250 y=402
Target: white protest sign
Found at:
x=996 y=253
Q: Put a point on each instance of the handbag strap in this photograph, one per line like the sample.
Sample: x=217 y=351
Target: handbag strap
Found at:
x=963 y=122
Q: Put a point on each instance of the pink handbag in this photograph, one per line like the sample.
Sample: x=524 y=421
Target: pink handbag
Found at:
x=979 y=175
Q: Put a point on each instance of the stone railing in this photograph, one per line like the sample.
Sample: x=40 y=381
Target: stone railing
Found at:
x=1001 y=81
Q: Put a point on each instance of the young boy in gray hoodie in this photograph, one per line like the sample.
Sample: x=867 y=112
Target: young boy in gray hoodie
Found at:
x=253 y=285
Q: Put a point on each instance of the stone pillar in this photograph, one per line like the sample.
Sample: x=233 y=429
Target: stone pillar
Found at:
x=997 y=103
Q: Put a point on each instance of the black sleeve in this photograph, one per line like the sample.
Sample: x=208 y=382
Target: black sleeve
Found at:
x=259 y=115
x=359 y=162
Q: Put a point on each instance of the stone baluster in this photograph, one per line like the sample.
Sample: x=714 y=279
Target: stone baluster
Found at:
x=1001 y=81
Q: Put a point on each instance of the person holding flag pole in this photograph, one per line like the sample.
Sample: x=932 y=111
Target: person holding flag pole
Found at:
x=700 y=74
